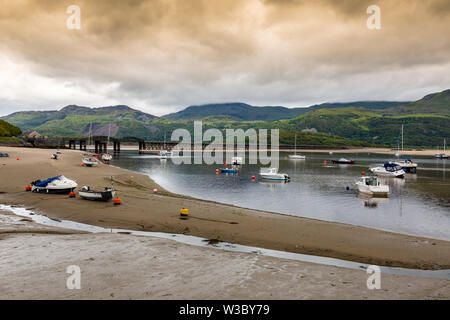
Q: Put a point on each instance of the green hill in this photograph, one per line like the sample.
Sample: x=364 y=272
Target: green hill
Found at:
x=361 y=124
x=436 y=103
x=9 y=130
x=246 y=112
x=426 y=121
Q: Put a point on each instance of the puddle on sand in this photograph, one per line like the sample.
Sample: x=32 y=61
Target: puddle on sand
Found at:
x=215 y=243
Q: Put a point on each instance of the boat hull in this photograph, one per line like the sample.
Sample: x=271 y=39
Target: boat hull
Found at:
x=53 y=190
x=343 y=162
x=97 y=195
x=376 y=191
x=297 y=157
x=279 y=177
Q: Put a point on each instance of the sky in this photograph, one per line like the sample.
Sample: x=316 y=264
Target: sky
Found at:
x=160 y=56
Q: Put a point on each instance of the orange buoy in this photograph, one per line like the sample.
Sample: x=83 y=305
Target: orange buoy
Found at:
x=28 y=188
x=253 y=177
x=217 y=171
x=362 y=173
x=184 y=212
x=117 y=201
x=72 y=195
x=155 y=190
x=82 y=164
x=17 y=159
x=325 y=162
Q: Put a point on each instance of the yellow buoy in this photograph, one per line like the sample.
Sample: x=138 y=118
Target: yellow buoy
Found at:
x=184 y=212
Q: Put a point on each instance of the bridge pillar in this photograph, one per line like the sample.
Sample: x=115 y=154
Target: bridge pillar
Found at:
x=116 y=146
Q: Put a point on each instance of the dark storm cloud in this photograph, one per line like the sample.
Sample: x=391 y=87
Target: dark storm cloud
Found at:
x=162 y=55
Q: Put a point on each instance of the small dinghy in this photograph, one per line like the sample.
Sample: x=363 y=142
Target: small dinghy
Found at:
x=272 y=174
x=59 y=184
x=371 y=185
x=88 y=194
x=343 y=161
x=89 y=161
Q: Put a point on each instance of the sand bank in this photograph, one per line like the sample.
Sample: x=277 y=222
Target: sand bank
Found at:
x=143 y=210
x=115 y=266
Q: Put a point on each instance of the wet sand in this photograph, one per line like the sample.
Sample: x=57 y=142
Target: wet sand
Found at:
x=115 y=266
x=143 y=210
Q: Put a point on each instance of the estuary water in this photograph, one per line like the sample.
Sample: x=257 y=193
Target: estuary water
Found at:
x=419 y=204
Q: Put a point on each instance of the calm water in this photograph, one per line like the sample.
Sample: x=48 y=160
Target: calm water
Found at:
x=418 y=204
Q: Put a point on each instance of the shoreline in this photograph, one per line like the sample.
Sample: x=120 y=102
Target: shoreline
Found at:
x=144 y=211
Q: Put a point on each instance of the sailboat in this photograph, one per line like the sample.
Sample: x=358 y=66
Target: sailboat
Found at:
x=405 y=162
x=397 y=154
x=296 y=156
x=442 y=155
x=165 y=154
x=106 y=156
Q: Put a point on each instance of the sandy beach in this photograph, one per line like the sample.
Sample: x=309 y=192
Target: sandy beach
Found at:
x=116 y=266
x=141 y=209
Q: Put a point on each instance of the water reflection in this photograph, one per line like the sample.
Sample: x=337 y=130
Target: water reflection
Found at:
x=418 y=204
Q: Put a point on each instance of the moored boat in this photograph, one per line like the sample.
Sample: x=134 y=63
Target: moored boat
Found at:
x=372 y=186
x=272 y=174
x=165 y=154
x=296 y=156
x=228 y=170
x=442 y=155
x=343 y=161
x=406 y=164
x=105 y=195
x=106 y=157
x=59 y=184
x=89 y=161
x=237 y=161
x=389 y=169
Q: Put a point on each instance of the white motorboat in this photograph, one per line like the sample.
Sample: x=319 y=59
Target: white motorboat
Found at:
x=407 y=164
x=389 y=169
x=372 y=186
x=272 y=174
x=106 y=157
x=90 y=161
x=105 y=195
x=58 y=184
x=165 y=154
x=296 y=156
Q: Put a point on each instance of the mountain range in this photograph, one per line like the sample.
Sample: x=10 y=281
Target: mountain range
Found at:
x=426 y=121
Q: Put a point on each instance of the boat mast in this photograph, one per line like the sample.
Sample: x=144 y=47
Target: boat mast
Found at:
x=402 y=137
x=295 y=145
x=90 y=132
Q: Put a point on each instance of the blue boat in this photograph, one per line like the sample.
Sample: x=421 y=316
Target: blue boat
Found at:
x=226 y=170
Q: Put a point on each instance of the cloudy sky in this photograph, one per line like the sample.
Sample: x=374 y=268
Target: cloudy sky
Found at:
x=160 y=56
